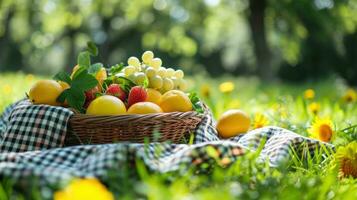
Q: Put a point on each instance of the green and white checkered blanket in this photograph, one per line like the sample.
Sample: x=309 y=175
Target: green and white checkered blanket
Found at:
x=32 y=139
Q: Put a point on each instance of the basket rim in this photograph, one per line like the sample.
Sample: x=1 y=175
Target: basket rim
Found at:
x=126 y=115
x=140 y=115
x=137 y=116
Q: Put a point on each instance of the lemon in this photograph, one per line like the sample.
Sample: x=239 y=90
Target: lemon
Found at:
x=144 y=108
x=45 y=92
x=153 y=96
x=175 y=100
x=106 y=105
x=233 y=122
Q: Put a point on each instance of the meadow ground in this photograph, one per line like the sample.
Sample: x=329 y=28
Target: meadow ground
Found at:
x=288 y=106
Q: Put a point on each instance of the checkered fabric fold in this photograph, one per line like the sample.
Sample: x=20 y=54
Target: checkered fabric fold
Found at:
x=31 y=137
x=30 y=127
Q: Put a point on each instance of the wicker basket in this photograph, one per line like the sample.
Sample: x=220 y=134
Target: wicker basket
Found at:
x=159 y=127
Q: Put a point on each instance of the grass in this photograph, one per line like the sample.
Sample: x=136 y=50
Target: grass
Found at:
x=283 y=105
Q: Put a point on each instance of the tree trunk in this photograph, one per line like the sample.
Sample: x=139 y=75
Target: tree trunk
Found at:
x=71 y=56
x=261 y=48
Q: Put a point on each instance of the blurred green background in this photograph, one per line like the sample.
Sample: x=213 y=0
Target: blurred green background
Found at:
x=273 y=39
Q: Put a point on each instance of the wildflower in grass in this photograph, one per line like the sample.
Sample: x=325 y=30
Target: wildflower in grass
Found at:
x=314 y=108
x=350 y=96
x=80 y=189
x=309 y=94
x=347 y=157
x=206 y=90
x=260 y=120
x=321 y=129
x=226 y=87
x=7 y=89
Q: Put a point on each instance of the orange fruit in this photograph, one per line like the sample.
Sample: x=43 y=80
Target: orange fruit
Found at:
x=106 y=105
x=153 y=96
x=233 y=122
x=175 y=100
x=144 y=108
x=45 y=92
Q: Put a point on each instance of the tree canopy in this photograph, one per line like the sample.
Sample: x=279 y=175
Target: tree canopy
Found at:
x=291 y=39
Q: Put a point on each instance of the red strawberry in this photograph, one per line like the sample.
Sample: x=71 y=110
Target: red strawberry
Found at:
x=115 y=90
x=90 y=95
x=136 y=94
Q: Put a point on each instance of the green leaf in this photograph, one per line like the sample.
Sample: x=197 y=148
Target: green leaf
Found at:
x=125 y=84
x=84 y=59
x=76 y=99
x=116 y=69
x=63 y=76
x=63 y=96
x=92 y=48
x=108 y=82
x=123 y=80
x=194 y=97
x=196 y=102
x=94 y=68
x=79 y=71
x=84 y=81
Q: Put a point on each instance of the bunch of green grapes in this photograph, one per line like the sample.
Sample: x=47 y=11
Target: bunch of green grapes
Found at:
x=151 y=69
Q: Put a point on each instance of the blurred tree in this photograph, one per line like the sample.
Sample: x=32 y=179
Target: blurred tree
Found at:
x=261 y=48
x=348 y=68
x=300 y=39
x=315 y=32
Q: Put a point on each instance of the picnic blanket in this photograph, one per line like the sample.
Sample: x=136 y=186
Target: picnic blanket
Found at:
x=32 y=145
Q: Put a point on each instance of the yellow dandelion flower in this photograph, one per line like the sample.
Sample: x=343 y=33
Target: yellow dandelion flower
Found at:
x=206 y=90
x=314 y=108
x=309 y=94
x=226 y=87
x=347 y=157
x=7 y=89
x=321 y=129
x=350 y=96
x=80 y=189
x=260 y=120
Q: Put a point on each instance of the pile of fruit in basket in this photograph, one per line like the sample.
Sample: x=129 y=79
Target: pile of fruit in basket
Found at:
x=140 y=87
